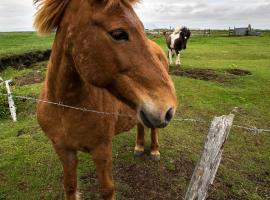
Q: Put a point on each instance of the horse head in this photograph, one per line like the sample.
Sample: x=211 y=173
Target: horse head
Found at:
x=108 y=48
x=184 y=36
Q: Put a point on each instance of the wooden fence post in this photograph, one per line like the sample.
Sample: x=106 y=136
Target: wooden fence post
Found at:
x=207 y=166
x=11 y=103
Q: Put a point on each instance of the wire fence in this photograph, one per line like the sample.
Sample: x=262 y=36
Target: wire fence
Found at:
x=252 y=129
x=10 y=97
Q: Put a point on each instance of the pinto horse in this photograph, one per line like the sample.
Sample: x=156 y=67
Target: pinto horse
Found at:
x=176 y=42
x=101 y=60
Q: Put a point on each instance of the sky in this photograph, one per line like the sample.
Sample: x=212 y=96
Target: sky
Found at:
x=17 y=15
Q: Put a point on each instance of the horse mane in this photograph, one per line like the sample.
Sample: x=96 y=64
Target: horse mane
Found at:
x=177 y=30
x=50 y=13
x=184 y=28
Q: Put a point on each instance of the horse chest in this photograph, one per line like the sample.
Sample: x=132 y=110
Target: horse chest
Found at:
x=174 y=37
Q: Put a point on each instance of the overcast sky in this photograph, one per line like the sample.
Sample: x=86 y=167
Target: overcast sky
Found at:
x=17 y=15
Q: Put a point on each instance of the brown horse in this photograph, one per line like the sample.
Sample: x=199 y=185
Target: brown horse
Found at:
x=101 y=60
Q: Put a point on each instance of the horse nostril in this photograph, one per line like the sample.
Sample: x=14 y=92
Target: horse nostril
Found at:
x=169 y=115
x=146 y=120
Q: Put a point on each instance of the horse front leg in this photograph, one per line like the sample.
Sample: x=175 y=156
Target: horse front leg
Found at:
x=139 y=147
x=178 y=61
x=155 y=154
x=170 y=56
x=69 y=162
x=102 y=156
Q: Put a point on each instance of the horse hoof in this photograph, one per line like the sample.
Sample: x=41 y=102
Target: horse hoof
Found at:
x=138 y=153
x=155 y=157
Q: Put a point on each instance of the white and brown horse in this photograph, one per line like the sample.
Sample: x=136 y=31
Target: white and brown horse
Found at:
x=176 y=42
x=101 y=60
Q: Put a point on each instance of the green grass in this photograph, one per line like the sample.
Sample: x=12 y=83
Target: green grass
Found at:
x=23 y=42
x=29 y=168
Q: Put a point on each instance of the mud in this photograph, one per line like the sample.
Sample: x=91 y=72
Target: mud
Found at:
x=238 y=72
x=24 y=60
x=220 y=76
x=148 y=180
x=34 y=77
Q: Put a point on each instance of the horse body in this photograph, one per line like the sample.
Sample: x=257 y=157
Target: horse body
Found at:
x=101 y=60
x=176 y=42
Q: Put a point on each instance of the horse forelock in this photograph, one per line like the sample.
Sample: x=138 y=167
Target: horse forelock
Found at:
x=177 y=30
x=50 y=12
x=185 y=30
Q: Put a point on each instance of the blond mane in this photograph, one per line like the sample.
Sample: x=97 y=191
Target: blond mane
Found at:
x=50 y=13
x=177 y=30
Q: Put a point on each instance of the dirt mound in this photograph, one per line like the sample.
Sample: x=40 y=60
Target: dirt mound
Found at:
x=154 y=181
x=220 y=76
x=239 y=72
x=148 y=180
x=34 y=77
x=201 y=74
x=23 y=60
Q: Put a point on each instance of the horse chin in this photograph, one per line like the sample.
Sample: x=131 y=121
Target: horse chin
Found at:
x=146 y=122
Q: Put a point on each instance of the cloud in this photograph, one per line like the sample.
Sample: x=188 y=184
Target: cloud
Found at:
x=205 y=13
x=17 y=15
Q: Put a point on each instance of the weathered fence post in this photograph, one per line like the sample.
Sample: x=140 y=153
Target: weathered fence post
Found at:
x=11 y=103
x=207 y=166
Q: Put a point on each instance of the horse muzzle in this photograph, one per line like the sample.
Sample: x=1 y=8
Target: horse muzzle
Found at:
x=155 y=119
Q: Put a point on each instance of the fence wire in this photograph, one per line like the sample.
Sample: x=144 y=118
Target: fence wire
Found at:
x=177 y=120
x=253 y=129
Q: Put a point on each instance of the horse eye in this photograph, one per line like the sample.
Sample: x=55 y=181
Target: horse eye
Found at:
x=119 y=35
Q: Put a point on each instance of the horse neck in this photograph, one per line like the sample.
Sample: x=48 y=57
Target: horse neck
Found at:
x=62 y=81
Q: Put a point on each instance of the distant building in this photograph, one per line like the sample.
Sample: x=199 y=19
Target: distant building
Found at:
x=245 y=31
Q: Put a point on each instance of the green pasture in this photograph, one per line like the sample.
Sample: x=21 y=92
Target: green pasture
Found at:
x=30 y=170
x=23 y=42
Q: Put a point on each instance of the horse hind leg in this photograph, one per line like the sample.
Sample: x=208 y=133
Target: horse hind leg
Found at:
x=69 y=162
x=139 y=147
x=154 y=154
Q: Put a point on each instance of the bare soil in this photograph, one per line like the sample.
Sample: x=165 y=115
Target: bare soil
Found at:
x=220 y=76
x=239 y=72
x=24 y=60
x=148 y=180
x=34 y=77
x=154 y=181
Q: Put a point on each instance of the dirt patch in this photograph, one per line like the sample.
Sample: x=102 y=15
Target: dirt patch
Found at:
x=155 y=181
x=148 y=180
x=25 y=131
x=202 y=74
x=262 y=180
x=220 y=76
x=35 y=77
x=24 y=60
x=238 y=72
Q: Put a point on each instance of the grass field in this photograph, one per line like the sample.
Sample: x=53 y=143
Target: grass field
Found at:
x=30 y=170
x=23 y=42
